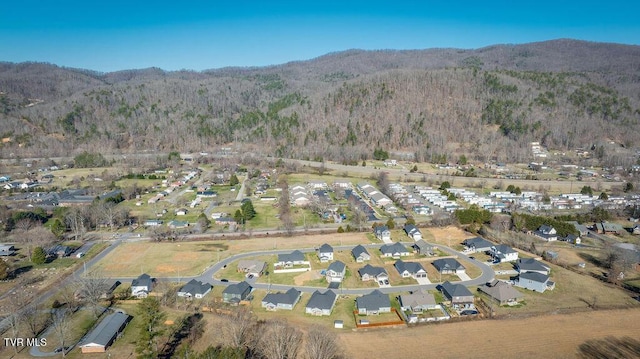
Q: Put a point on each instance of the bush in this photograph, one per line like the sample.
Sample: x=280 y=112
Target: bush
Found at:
x=39 y=256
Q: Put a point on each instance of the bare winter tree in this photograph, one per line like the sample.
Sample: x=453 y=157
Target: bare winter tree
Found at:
x=77 y=220
x=240 y=327
x=61 y=325
x=92 y=287
x=279 y=340
x=36 y=236
x=34 y=318
x=322 y=344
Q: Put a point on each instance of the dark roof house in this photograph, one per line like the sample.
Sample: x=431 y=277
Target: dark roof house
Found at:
x=373 y=303
x=105 y=333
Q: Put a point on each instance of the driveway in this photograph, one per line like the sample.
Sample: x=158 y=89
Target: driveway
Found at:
x=423 y=281
x=464 y=276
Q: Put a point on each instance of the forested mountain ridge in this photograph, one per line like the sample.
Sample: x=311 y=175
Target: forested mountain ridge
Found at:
x=433 y=104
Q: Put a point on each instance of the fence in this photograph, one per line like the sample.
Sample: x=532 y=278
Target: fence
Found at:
x=400 y=321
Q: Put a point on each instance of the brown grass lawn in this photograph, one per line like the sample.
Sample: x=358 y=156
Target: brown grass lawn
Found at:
x=191 y=258
x=448 y=236
x=556 y=336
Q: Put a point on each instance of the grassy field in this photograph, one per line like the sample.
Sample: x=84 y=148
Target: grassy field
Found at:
x=557 y=336
x=161 y=259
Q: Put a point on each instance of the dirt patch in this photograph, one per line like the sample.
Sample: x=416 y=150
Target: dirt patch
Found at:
x=556 y=336
x=446 y=235
x=306 y=276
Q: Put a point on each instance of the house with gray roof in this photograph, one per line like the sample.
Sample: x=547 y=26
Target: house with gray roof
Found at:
x=423 y=248
x=369 y=272
x=141 y=286
x=194 y=289
x=448 y=266
x=382 y=233
x=477 y=244
x=503 y=253
x=417 y=302
x=373 y=303
x=501 y=292
x=410 y=269
x=105 y=333
x=524 y=265
x=413 y=232
x=534 y=281
x=325 y=253
x=281 y=301
x=572 y=238
x=546 y=232
x=7 y=250
x=608 y=228
x=321 y=303
x=360 y=253
x=394 y=250
x=582 y=229
x=234 y=293
x=335 y=272
x=288 y=260
x=251 y=267
x=459 y=296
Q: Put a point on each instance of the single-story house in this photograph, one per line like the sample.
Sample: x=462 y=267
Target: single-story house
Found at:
x=503 y=253
x=394 y=250
x=286 y=300
x=325 y=253
x=534 y=281
x=105 y=333
x=194 y=289
x=524 y=265
x=477 y=244
x=546 y=232
x=234 y=293
x=501 y=292
x=181 y=212
x=423 y=248
x=336 y=271
x=608 y=228
x=582 y=229
x=288 y=260
x=413 y=232
x=370 y=272
x=252 y=267
x=176 y=224
x=59 y=251
x=7 y=250
x=459 y=296
x=142 y=286
x=448 y=266
x=417 y=302
x=410 y=269
x=360 y=253
x=572 y=238
x=382 y=233
x=153 y=222
x=321 y=303
x=373 y=303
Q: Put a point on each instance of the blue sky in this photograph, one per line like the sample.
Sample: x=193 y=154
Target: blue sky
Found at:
x=197 y=35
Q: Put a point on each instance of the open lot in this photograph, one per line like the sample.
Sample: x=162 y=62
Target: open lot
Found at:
x=556 y=336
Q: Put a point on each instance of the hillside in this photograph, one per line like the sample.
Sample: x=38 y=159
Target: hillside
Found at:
x=432 y=104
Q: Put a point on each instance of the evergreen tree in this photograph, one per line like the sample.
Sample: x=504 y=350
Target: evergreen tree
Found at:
x=151 y=318
x=233 y=180
x=248 y=212
x=39 y=256
x=238 y=217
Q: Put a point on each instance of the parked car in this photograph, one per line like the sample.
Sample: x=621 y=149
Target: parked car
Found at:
x=224 y=280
